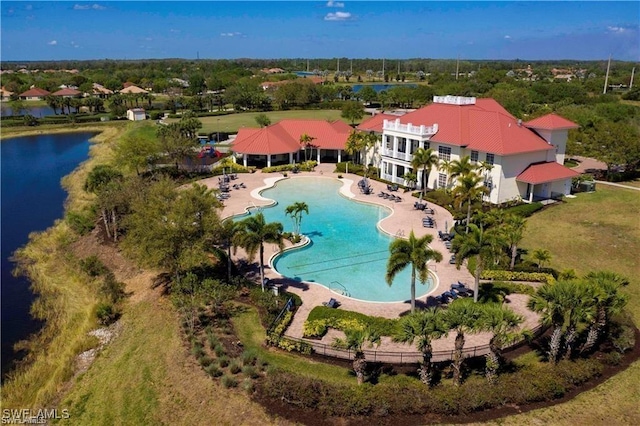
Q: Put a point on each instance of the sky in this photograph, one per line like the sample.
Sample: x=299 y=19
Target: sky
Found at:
x=59 y=30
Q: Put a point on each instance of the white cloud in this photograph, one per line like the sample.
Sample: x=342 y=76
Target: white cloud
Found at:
x=235 y=34
x=74 y=44
x=52 y=43
x=332 y=3
x=338 y=16
x=29 y=7
x=88 y=7
x=507 y=37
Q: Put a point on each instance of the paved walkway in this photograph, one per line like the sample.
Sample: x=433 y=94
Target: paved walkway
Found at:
x=401 y=222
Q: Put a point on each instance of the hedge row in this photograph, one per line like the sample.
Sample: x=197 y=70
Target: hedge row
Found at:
x=404 y=396
x=525 y=210
x=322 y=317
x=501 y=275
x=306 y=166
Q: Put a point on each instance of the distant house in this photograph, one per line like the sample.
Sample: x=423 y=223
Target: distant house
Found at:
x=34 y=94
x=100 y=91
x=133 y=90
x=67 y=93
x=136 y=114
x=5 y=95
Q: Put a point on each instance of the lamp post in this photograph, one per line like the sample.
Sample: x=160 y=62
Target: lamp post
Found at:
x=218 y=127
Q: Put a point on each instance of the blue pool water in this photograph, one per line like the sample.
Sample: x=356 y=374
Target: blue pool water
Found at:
x=347 y=252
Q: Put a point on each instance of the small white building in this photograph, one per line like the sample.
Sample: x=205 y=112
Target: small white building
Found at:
x=136 y=114
x=527 y=158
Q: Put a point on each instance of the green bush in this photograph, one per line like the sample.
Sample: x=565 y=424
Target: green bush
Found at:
x=81 y=222
x=106 y=313
x=223 y=361
x=247 y=386
x=383 y=326
x=506 y=288
x=112 y=289
x=250 y=371
x=219 y=350
x=248 y=357
x=229 y=381
x=306 y=166
x=500 y=275
x=205 y=361
x=93 y=266
x=234 y=367
x=440 y=197
x=525 y=210
x=213 y=370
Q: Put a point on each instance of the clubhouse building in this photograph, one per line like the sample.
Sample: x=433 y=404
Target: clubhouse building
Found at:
x=527 y=157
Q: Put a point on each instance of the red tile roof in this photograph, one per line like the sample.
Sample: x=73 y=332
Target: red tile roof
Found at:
x=545 y=172
x=484 y=126
x=31 y=93
x=67 y=92
x=375 y=123
x=284 y=136
x=551 y=122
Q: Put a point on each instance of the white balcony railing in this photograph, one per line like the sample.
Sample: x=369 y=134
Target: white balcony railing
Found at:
x=404 y=156
x=421 y=130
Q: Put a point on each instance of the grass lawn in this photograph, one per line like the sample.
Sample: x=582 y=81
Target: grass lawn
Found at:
x=232 y=122
x=592 y=232
x=148 y=376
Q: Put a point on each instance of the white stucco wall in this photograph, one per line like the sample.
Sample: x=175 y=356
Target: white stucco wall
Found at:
x=510 y=167
x=557 y=138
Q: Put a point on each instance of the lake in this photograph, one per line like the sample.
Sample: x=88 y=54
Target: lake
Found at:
x=32 y=199
x=36 y=111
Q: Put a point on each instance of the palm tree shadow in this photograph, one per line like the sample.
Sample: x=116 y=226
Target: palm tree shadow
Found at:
x=287 y=283
x=314 y=234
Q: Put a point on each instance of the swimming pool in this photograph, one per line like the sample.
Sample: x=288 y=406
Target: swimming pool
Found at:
x=347 y=253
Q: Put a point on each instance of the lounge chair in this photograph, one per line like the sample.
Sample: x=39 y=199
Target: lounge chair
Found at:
x=332 y=303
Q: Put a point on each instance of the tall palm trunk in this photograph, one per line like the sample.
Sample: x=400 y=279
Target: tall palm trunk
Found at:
x=105 y=219
x=229 y=263
x=594 y=330
x=468 y=217
x=413 y=288
x=457 y=359
x=262 y=266
x=514 y=254
x=476 y=279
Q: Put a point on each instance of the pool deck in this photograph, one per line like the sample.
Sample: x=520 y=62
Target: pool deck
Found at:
x=401 y=222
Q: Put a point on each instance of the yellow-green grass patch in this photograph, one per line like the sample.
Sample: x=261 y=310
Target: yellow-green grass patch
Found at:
x=232 y=122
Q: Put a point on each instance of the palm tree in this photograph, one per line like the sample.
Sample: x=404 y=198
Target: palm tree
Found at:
x=479 y=243
x=425 y=158
x=541 y=256
x=553 y=302
x=226 y=235
x=295 y=211
x=469 y=189
x=355 y=339
x=253 y=233
x=461 y=167
x=502 y=322
x=445 y=166
x=414 y=252
x=512 y=231
x=604 y=287
x=423 y=326
x=354 y=143
x=462 y=316
x=305 y=142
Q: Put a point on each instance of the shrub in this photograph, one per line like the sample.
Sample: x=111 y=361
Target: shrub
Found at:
x=247 y=386
x=81 y=222
x=213 y=370
x=93 y=266
x=440 y=197
x=229 y=381
x=219 y=350
x=250 y=371
x=525 y=210
x=234 y=367
x=205 y=361
x=106 y=313
x=496 y=274
x=336 y=319
x=223 y=361
x=248 y=357
x=213 y=341
x=113 y=290
x=197 y=349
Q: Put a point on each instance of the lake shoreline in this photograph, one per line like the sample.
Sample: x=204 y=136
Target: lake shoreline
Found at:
x=62 y=298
